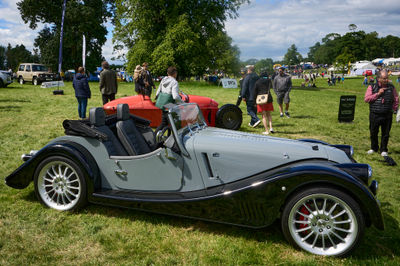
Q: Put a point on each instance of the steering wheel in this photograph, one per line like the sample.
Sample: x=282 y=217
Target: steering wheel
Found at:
x=163 y=134
x=185 y=97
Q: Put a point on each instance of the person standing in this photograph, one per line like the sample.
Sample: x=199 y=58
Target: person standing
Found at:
x=263 y=86
x=248 y=94
x=147 y=79
x=167 y=92
x=383 y=100
x=282 y=87
x=82 y=91
x=108 y=83
x=138 y=78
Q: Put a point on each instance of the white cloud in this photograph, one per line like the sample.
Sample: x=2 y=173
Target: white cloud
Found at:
x=268 y=28
x=263 y=29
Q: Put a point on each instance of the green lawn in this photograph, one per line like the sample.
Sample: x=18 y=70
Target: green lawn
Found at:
x=31 y=234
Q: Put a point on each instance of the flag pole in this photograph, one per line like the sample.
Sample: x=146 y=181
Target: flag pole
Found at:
x=61 y=41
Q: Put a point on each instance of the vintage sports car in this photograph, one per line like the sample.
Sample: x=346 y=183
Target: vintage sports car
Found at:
x=228 y=116
x=323 y=198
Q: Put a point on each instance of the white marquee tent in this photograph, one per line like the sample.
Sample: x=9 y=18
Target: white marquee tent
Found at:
x=359 y=67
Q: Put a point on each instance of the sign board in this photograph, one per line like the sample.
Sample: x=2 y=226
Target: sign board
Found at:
x=229 y=83
x=347 y=108
x=52 y=84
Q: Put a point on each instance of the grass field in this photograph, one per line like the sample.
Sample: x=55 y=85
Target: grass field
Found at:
x=31 y=234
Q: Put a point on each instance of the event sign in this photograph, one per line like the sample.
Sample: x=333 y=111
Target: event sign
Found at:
x=347 y=108
x=52 y=84
x=229 y=83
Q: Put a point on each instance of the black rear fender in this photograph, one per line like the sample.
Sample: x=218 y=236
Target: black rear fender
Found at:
x=24 y=174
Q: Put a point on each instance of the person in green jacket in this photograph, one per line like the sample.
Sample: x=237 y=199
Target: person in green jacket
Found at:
x=167 y=92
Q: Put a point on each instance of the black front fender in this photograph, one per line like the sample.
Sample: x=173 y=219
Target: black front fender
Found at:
x=24 y=174
x=301 y=176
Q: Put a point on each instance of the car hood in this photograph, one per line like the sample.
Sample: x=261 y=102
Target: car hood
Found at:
x=233 y=154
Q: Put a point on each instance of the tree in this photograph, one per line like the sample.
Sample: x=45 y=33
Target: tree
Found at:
x=343 y=61
x=2 y=57
x=264 y=65
x=18 y=54
x=82 y=17
x=178 y=33
x=292 y=57
x=352 y=27
x=391 y=46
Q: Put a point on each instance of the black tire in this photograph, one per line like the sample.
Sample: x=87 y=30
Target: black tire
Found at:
x=21 y=80
x=60 y=184
x=35 y=81
x=323 y=230
x=229 y=116
x=2 y=84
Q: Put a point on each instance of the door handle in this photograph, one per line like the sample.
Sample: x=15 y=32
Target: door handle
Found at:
x=169 y=156
x=121 y=173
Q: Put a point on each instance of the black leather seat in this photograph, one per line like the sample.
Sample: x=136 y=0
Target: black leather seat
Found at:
x=97 y=120
x=129 y=135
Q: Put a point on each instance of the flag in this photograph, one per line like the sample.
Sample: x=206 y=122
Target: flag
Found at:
x=84 y=51
x=61 y=37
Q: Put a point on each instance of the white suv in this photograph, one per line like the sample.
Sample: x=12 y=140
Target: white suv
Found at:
x=5 y=78
x=36 y=73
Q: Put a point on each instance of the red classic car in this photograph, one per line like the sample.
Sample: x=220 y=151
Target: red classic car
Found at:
x=228 y=116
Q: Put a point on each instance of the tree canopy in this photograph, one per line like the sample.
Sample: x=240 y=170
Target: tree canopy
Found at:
x=292 y=56
x=11 y=57
x=187 y=34
x=82 y=17
x=363 y=46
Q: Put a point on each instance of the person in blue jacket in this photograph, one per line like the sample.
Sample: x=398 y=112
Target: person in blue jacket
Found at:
x=82 y=91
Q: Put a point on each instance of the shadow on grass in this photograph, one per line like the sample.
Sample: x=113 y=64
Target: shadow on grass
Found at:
x=306 y=88
x=270 y=233
x=377 y=243
x=302 y=116
x=11 y=108
x=14 y=101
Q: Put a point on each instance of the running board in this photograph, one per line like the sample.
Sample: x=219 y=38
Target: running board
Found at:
x=149 y=196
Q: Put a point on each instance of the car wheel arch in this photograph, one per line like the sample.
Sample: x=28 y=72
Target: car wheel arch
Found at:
x=328 y=184
x=21 y=177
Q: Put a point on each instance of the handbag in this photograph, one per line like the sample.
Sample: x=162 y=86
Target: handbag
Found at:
x=163 y=99
x=262 y=99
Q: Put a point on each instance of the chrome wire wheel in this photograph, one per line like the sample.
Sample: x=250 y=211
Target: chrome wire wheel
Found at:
x=59 y=185
x=324 y=224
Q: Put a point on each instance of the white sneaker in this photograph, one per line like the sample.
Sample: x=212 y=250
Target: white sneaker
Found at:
x=265 y=133
x=257 y=123
x=271 y=130
x=384 y=153
x=370 y=151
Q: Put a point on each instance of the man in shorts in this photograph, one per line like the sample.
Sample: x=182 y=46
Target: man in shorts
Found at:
x=282 y=87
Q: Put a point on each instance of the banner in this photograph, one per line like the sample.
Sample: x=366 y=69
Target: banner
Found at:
x=229 y=83
x=84 y=51
x=61 y=37
x=51 y=84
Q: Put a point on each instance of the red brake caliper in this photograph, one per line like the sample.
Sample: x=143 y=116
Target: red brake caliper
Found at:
x=302 y=218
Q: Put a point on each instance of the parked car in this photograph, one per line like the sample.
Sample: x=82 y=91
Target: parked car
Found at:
x=324 y=199
x=367 y=72
x=228 y=116
x=5 y=78
x=35 y=73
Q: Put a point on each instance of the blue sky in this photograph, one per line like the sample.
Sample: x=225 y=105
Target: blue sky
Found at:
x=264 y=28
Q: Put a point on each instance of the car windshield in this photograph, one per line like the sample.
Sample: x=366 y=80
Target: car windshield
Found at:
x=40 y=68
x=187 y=116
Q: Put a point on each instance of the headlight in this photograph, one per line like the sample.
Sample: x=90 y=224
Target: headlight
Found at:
x=362 y=171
